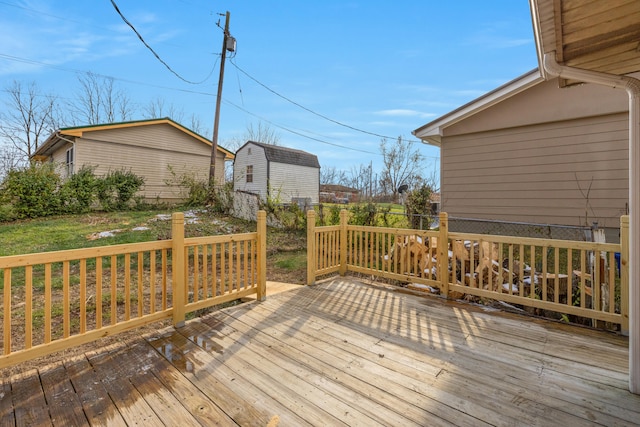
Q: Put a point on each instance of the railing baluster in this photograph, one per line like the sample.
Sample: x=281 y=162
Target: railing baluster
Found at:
x=66 y=328
x=98 y=292
x=8 y=310
x=140 y=284
x=28 y=306
x=114 y=289
x=83 y=296
x=127 y=286
x=47 y=303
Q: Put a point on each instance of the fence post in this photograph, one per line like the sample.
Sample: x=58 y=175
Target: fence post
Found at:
x=443 y=254
x=178 y=284
x=624 y=274
x=311 y=247
x=261 y=229
x=344 y=219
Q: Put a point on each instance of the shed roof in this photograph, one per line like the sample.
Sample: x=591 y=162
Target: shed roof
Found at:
x=290 y=156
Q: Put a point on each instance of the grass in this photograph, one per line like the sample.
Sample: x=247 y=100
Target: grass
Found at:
x=75 y=231
x=71 y=232
x=291 y=261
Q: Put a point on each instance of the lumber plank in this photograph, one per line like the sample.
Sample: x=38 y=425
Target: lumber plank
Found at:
x=613 y=416
x=112 y=368
x=231 y=393
x=7 y=417
x=94 y=399
x=280 y=385
x=64 y=404
x=304 y=371
x=190 y=397
x=29 y=405
x=165 y=405
x=367 y=380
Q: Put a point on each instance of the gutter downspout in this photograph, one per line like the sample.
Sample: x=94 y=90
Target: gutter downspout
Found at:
x=632 y=86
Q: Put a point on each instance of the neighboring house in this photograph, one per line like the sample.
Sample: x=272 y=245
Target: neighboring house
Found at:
x=279 y=173
x=532 y=152
x=335 y=193
x=151 y=149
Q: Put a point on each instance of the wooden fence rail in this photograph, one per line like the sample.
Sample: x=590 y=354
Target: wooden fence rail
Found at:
x=584 y=279
x=57 y=300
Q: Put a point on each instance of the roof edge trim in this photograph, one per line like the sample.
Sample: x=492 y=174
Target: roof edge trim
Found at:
x=435 y=128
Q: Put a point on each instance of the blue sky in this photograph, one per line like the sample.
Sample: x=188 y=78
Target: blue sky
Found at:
x=385 y=68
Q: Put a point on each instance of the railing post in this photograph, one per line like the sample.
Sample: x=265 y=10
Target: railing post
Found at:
x=344 y=220
x=624 y=274
x=311 y=247
x=443 y=254
x=178 y=268
x=262 y=255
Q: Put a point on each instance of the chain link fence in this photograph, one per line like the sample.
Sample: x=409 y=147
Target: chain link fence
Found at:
x=525 y=229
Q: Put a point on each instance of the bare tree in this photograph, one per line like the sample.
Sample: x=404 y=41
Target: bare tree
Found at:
x=99 y=101
x=402 y=166
x=360 y=178
x=10 y=159
x=195 y=124
x=157 y=108
x=331 y=175
x=28 y=121
x=262 y=133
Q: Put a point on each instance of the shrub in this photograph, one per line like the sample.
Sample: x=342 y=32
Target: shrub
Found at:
x=220 y=198
x=194 y=191
x=363 y=214
x=115 y=190
x=78 y=192
x=33 y=191
x=418 y=206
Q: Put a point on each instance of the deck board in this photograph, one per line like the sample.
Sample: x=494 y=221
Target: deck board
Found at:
x=340 y=353
x=96 y=403
x=64 y=404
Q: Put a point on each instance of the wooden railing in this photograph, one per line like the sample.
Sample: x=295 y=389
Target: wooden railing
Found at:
x=584 y=279
x=57 y=300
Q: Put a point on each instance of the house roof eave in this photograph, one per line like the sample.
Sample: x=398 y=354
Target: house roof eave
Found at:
x=432 y=132
x=79 y=131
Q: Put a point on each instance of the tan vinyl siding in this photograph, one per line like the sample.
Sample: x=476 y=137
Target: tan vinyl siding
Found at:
x=294 y=181
x=147 y=151
x=545 y=173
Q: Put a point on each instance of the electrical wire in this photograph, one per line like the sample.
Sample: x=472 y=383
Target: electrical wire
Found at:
x=311 y=111
x=296 y=132
x=287 y=129
x=126 y=21
x=72 y=70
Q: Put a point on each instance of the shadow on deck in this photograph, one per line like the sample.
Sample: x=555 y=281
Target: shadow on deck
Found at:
x=339 y=353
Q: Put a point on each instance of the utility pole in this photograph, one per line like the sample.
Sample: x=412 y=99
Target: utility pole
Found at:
x=228 y=43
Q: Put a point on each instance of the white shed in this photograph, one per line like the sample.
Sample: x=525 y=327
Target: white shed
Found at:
x=282 y=174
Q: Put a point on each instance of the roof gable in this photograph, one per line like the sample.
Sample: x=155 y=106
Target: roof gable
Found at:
x=79 y=131
x=290 y=156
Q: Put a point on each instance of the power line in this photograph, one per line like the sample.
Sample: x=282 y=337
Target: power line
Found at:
x=72 y=70
x=310 y=110
x=126 y=21
x=298 y=133
x=44 y=64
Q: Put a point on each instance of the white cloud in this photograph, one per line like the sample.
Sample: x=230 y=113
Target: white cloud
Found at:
x=400 y=112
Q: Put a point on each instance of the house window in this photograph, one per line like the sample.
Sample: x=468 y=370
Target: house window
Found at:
x=249 y=151
x=250 y=173
x=70 y=162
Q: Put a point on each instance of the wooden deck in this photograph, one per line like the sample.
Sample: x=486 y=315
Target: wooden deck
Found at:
x=339 y=353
